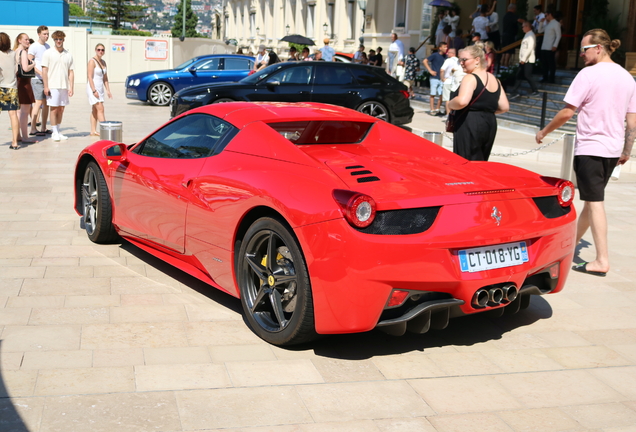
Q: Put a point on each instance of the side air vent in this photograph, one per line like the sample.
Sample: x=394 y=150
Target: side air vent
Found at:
x=362 y=172
x=368 y=179
x=550 y=207
x=402 y=222
x=356 y=173
x=354 y=167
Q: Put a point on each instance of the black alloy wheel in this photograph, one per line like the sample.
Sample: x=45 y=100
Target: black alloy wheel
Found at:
x=375 y=109
x=274 y=284
x=96 y=206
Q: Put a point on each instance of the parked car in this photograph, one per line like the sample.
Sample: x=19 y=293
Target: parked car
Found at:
x=325 y=220
x=157 y=87
x=364 y=88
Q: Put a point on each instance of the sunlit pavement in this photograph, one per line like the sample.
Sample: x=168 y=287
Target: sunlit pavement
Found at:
x=108 y=338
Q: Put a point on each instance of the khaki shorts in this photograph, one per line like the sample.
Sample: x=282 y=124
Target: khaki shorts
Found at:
x=408 y=83
x=446 y=91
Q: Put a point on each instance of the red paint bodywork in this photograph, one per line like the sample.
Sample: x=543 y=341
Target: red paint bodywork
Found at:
x=189 y=212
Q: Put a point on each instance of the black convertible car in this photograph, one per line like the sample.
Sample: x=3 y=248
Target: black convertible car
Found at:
x=367 y=89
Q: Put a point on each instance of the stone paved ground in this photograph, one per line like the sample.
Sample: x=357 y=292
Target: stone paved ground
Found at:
x=108 y=338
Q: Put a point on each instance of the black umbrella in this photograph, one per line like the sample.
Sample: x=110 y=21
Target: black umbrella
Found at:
x=298 y=39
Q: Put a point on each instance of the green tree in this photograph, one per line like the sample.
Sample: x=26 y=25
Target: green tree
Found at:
x=75 y=10
x=191 y=21
x=119 y=11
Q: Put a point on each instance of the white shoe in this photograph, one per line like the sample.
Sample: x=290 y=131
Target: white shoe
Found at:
x=59 y=137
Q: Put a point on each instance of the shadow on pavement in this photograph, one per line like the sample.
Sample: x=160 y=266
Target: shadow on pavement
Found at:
x=10 y=419
x=462 y=331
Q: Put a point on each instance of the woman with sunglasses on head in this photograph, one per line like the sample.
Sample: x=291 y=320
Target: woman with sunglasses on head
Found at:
x=97 y=82
x=476 y=102
x=25 y=91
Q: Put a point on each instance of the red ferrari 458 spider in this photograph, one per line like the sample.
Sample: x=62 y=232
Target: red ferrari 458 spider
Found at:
x=325 y=220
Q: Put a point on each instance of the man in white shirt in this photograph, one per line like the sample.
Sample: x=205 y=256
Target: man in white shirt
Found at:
x=36 y=51
x=480 y=23
x=59 y=78
x=537 y=27
x=551 y=38
x=327 y=51
x=526 y=61
x=446 y=74
x=262 y=58
x=493 y=34
x=396 y=55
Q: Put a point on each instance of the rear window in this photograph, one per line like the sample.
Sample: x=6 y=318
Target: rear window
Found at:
x=323 y=132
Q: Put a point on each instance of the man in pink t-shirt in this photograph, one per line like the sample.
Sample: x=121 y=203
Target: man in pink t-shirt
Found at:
x=605 y=95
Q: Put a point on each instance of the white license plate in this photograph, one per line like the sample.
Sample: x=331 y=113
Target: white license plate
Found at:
x=493 y=257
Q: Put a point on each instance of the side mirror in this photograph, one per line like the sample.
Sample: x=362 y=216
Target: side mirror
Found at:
x=116 y=152
x=272 y=82
x=192 y=69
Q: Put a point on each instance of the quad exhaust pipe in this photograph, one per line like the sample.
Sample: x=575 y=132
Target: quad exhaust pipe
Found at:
x=494 y=296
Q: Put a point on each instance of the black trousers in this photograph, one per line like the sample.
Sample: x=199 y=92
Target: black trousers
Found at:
x=525 y=72
x=549 y=65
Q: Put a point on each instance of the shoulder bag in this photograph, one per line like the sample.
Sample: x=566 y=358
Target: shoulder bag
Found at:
x=452 y=118
x=23 y=74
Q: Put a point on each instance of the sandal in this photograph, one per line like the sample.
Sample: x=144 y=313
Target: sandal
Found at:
x=93 y=134
x=12 y=147
x=48 y=131
x=40 y=134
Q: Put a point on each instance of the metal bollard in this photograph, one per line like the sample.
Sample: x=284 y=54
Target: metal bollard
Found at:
x=567 y=168
x=111 y=130
x=434 y=137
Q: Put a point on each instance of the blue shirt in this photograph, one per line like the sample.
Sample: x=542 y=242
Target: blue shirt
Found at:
x=435 y=62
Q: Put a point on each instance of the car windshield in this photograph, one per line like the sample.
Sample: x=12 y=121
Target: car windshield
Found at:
x=261 y=74
x=322 y=132
x=186 y=64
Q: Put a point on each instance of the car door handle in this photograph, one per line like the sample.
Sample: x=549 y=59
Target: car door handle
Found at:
x=215 y=76
x=186 y=184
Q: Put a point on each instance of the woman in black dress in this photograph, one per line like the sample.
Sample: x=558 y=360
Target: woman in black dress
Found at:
x=475 y=124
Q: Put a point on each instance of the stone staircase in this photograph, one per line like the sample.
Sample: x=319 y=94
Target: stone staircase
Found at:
x=526 y=110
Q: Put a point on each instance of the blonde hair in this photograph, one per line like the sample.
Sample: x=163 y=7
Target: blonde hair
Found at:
x=490 y=44
x=600 y=37
x=17 y=41
x=477 y=51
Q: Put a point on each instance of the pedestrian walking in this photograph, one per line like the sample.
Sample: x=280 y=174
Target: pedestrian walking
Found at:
x=96 y=85
x=59 y=80
x=36 y=52
x=327 y=51
x=526 y=61
x=602 y=140
x=9 y=87
x=476 y=102
x=450 y=66
x=357 y=56
x=538 y=27
x=551 y=39
x=412 y=66
x=396 y=56
x=25 y=92
x=510 y=30
x=433 y=65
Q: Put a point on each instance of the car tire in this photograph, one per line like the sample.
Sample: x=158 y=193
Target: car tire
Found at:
x=375 y=109
x=223 y=100
x=160 y=94
x=275 y=294
x=97 y=209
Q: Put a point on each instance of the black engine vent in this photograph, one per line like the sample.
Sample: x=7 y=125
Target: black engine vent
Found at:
x=402 y=222
x=550 y=207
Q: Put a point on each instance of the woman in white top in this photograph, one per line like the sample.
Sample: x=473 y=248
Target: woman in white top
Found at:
x=97 y=82
x=9 y=86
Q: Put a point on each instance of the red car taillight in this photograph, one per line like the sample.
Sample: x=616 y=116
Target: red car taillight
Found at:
x=565 y=190
x=405 y=94
x=358 y=209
